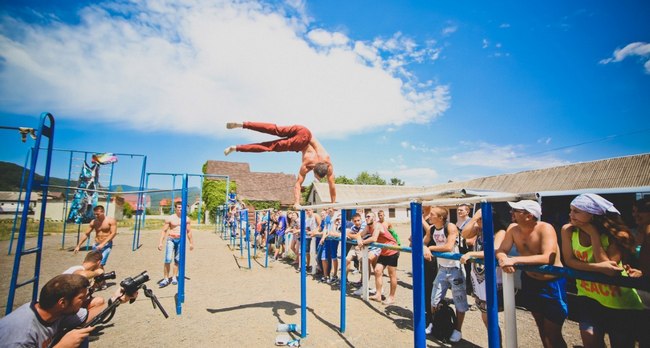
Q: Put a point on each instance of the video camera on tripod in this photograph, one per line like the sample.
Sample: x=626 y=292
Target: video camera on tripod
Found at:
x=130 y=286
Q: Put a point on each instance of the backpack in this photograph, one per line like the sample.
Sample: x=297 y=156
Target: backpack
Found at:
x=444 y=322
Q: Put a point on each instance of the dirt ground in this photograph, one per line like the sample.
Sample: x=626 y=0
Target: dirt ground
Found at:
x=228 y=305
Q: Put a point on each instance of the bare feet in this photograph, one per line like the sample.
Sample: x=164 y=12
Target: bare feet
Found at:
x=375 y=298
x=388 y=301
x=231 y=125
x=229 y=149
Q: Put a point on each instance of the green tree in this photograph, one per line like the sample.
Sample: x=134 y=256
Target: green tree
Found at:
x=364 y=178
x=127 y=210
x=396 y=182
x=214 y=194
x=342 y=179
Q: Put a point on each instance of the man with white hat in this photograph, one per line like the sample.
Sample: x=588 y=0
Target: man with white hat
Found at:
x=543 y=295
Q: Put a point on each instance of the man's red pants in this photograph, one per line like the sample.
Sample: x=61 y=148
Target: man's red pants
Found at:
x=294 y=138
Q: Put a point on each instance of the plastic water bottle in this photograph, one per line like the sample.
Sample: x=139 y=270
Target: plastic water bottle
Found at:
x=288 y=328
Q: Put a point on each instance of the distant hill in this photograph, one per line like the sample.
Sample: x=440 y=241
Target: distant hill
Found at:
x=10 y=174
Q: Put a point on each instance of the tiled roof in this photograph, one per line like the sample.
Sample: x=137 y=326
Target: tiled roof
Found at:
x=255 y=186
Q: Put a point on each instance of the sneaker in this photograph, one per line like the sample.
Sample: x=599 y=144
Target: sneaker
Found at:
x=429 y=329
x=455 y=336
x=357 y=292
x=308 y=269
x=174 y=281
x=163 y=283
x=372 y=291
x=324 y=280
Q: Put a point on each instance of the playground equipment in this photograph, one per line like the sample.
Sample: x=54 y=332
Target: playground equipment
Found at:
x=47 y=131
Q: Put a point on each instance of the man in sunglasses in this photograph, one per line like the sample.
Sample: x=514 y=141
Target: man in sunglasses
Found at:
x=544 y=295
x=292 y=138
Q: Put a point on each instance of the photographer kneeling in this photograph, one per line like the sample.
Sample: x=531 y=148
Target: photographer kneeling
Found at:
x=91 y=269
x=59 y=308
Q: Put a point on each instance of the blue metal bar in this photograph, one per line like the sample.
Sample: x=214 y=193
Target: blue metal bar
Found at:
x=200 y=201
x=248 y=241
x=303 y=276
x=20 y=195
x=67 y=197
x=48 y=132
x=494 y=340
x=182 y=249
x=268 y=227
x=344 y=266
x=417 y=262
x=241 y=234
x=110 y=187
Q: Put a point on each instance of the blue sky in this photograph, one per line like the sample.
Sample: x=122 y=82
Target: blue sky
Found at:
x=426 y=91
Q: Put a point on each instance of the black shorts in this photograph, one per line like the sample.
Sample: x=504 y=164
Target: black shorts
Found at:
x=388 y=260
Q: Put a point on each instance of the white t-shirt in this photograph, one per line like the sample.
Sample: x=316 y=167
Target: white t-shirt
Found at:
x=440 y=239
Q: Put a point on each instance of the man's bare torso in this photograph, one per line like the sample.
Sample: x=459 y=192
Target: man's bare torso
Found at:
x=530 y=243
x=102 y=228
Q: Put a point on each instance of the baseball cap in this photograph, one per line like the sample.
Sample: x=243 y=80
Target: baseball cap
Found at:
x=529 y=206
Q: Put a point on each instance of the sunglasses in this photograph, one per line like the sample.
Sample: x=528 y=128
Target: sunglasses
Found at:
x=368 y=216
x=522 y=211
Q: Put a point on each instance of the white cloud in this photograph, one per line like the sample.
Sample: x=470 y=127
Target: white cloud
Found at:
x=411 y=176
x=486 y=43
x=641 y=49
x=449 y=30
x=508 y=157
x=324 y=38
x=191 y=66
x=544 y=141
x=504 y=25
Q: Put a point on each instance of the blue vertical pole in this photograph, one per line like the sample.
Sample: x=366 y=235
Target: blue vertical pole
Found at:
x=110 y=185
x=303 y=276
x=141 y=200
x=182 y=250
x=490 y=276
x=344 y=265
x=20 y=195
x=200 y=201
x=417 y=254
x=248 y=240
x=67 y=197
x=241 y=233
x=268 y=227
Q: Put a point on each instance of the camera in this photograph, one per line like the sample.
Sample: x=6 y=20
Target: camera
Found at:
x=131 y=285
x=105 y=276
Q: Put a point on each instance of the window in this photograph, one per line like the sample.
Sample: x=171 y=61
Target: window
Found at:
x=408 y=212
x=391 y=212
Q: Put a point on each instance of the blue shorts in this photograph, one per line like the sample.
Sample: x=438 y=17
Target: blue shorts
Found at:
x=279 y=240
x=454 y=278
x=547 y=297
x=172 y=250
x=330 y=250
x=106 y=250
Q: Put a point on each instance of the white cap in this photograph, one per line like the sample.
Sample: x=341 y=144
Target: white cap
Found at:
x=530 y=206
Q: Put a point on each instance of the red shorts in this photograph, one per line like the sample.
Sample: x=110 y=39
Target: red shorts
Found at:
x=294 y=138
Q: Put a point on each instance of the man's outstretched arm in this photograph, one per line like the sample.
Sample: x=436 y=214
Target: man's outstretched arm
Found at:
x=332 y=184
x=298 y=187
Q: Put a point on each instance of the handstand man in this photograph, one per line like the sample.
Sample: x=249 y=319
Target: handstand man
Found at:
x=293 y=138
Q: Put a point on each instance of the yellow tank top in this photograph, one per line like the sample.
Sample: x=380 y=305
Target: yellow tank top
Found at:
x=611 y=296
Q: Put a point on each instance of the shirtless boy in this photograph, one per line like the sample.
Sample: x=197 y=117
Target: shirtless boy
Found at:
x=105 y=230
x=293 y=138
x=543 y=295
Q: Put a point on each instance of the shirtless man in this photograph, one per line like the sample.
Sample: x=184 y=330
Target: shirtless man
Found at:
x=171 y=232
x=293 y=138
x=105 y=230
x=544 y=295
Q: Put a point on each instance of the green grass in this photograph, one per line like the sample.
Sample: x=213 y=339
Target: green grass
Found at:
x=57 y=227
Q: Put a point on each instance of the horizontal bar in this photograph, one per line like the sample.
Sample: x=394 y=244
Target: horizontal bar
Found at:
x=628 y=282
x=111 y=192
x=30 y=251
x=493 y=197
x=29 y=281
